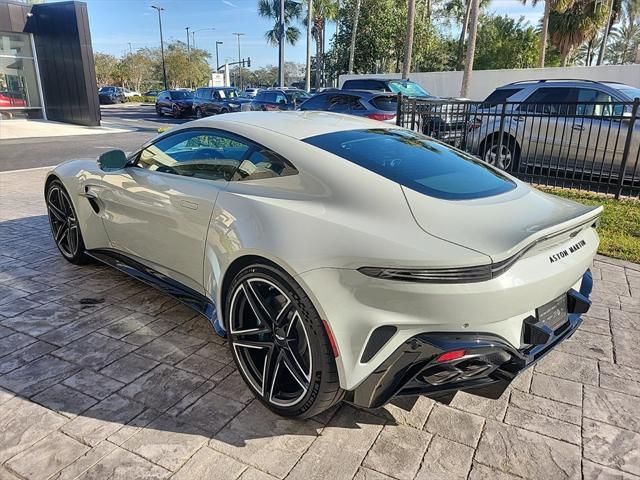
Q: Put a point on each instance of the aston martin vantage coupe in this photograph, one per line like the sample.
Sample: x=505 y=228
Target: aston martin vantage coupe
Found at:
x=343 y=258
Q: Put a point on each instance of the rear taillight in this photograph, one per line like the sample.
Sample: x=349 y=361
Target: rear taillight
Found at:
x=452 y=355
x=381 y=116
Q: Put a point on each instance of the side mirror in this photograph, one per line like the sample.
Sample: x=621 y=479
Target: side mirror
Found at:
x=112 y=160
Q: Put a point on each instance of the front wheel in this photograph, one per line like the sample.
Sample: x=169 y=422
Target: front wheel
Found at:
x=64 y=223
x=159 y=111
x=279 y=344
x=504 y=154
x=199 y=113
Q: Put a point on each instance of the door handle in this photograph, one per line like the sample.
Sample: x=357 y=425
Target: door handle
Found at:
x=189 y=205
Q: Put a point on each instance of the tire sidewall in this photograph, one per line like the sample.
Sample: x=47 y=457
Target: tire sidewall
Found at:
x=312 y=323
x=80 y=256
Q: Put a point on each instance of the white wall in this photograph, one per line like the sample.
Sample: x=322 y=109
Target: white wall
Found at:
x=483 y=82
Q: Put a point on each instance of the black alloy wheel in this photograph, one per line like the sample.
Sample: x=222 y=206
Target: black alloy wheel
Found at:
x=199 y=113
x=279 y=344
x=175 y=111
x=64 y=224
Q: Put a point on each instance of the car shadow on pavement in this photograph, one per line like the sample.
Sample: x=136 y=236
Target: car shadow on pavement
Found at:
x=100 y=356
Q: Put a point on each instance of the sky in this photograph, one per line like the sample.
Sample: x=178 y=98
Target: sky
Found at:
x=116 y=23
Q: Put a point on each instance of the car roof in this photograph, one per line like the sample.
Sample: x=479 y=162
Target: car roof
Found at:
x=554 y=82
x=293 y=124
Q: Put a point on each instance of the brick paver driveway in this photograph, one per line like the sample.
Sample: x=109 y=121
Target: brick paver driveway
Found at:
x=103 y=377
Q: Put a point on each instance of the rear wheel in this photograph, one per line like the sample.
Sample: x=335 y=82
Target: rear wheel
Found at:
x=64 y=224
x=279 y=344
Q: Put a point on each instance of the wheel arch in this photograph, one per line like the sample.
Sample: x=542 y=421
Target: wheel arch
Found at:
x=238 y=263
x=509 y=137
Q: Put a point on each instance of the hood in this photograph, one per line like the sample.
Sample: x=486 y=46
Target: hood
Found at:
x=502 y=225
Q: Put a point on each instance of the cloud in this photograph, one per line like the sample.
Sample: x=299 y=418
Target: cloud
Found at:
x=230 y=4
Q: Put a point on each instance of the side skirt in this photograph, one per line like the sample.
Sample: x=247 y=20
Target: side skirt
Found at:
x=180 y=292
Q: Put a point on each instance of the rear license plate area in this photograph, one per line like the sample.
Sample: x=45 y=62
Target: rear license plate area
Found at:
x=553 y=314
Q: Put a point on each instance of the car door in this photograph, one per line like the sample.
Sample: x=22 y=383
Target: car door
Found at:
x=545 y=125
x=158 y=209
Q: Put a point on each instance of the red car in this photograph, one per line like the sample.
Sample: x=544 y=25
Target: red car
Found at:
x=10 y=99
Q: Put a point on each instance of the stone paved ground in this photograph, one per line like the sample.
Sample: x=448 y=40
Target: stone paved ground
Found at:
x=103 y=377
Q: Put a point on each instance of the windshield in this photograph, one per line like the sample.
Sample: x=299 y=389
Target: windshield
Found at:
x=413 y=160
x=107 y=89
x=298 y=95
x=181 y=95
x=410 y=89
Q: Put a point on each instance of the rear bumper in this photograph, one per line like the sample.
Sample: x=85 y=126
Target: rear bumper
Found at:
x=489 y=359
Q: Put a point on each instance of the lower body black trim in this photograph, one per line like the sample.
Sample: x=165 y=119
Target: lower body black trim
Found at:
x=139 y=271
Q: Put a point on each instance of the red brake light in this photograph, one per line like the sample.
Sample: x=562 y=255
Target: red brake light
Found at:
x=381 y=116
x=452 y=355
x=332 y=340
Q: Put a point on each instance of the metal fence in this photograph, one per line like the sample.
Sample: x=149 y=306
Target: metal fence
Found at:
x=591 y=146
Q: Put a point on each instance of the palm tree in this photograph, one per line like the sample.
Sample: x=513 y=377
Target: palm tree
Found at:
x=323 y=10
x=578 y=23
x=408 y=42
x=471 y=47
x=460 y=9
x=292 y=12
x=354 y=31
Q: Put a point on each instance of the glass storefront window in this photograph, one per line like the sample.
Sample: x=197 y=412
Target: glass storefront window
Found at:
x=18 y=78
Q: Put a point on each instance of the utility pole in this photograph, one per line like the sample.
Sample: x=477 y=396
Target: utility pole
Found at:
x=281 y=45
x=307 y=77
x=164 y=68
x=239 y=59
x=217 y=60
x=130 y=49
x=188 y=47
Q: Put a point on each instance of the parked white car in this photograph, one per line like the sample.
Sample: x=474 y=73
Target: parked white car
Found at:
x=343 y=257
x=131 y=93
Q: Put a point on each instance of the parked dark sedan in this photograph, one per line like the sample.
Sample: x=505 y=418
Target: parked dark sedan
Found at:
x=279 y=99
x=375 y=105
x=214 y=100
x=111 y=95
x=177 y=103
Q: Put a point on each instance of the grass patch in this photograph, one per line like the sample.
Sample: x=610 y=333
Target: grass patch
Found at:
x=620 y=226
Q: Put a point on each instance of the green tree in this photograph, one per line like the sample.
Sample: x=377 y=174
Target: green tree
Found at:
x=186 y=69
x=105 y=65
x=578 y=23
x=505 y=43
x=135 y=67
x=292 y=13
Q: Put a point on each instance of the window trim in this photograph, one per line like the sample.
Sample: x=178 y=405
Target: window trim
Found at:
x=252 y=144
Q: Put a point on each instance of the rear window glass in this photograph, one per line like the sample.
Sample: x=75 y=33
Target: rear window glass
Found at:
x=419 y=163
x=390 y=104
x=181 y=95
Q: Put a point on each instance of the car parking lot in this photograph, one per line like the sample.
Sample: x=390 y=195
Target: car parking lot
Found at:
x=102 y=376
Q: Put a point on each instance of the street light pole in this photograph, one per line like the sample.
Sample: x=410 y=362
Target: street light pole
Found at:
x=188 y=46
x=217 y=60
x=239 y=59
x=164 y=68
x=307 y=77
x=281 y=45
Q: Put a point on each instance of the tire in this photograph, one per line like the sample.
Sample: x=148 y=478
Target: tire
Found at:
x=159 y=111
x=224 y=110
x=282 y=352
x=64 y=224
x=199 y=113
x=510 y=150
x=175 y=112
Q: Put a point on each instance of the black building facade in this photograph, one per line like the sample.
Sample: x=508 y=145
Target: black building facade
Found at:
x=46 y=63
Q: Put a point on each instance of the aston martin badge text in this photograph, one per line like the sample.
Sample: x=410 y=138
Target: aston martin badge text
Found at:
x=565 y=253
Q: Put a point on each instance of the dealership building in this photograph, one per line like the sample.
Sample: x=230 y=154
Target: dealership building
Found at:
x=46 y=63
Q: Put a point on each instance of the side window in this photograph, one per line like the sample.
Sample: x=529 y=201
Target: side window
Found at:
x=207 y=154
x=263 y=163
x=319 y=102
x=596 y=103
x=270 y=97
x=551 y=101
x=340 y=104
x=280 y=98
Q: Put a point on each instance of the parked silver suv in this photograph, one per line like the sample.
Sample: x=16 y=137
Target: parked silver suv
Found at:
x=576 y=126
